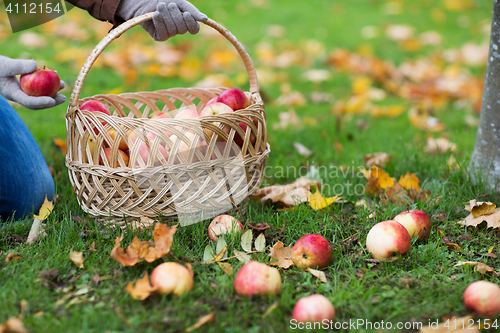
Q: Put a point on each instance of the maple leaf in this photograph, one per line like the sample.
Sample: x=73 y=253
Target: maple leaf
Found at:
x=377 y=179
x=479 y=266
x=163 y=237
x=409 y=181
x=281 y=256
x=135 y=252
x=141 y=289
x=482 y=211
x=396 y=194
x=45 y=210
x=318 y=202
x=61 y=144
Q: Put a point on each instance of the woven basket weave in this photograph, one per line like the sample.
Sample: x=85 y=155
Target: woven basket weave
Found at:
x=201 y=175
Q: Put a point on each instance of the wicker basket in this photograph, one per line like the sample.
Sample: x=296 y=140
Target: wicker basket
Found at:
x=189 y=175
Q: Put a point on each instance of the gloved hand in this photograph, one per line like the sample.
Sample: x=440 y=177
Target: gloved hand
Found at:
x=11 y=90
x=171 y=17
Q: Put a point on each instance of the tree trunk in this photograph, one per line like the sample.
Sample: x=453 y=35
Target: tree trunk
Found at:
x=485 y=160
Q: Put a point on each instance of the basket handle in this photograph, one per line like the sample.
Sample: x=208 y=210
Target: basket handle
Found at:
x=115 y=33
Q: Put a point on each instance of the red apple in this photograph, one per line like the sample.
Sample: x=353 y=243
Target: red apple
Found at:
x=238 y=139
x=95 y=105
x=417 y=222
x=212 y=100
x=113 y=133
x=42 y=82
x=115 y=162
x=313 y=308
x=160 y=115
x=145 y=152
x=234 y=98
x=256 y=278
x=387 y=239
x=483 y=298
x=187 y=114
x=312 y=251
x=171 y=277
x=185 y=147
x=223 y=224
x=212 y=110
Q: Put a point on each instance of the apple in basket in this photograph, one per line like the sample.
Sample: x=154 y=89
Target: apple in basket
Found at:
x=213 y=110
x=237 y=137
x=187 y=114
x=145 y=150
x=160 y=115
x=120 y=160
x=42 y=82
x=234 y=98
x=113 y=133
x=95 y=106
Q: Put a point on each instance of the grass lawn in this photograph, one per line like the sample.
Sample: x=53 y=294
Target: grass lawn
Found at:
x=311 y=59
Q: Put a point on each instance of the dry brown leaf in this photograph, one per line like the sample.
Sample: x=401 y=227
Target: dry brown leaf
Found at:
x=287 y=119
x=61 y=144
x=202 y=321
x=319 y=274
x=13 y=325
x=281 y=256
x=479 y=266
x=452 y=325
x=76 y=258
x=396 y=194
x=492 y=220
x=379 y=159
x=36 y=232
x=141 y=250
x=453 y=246
x=289 y=194
x=439 y=145
x=478 y=208
x=141 y=289
x=377 y=179
x=13 y=257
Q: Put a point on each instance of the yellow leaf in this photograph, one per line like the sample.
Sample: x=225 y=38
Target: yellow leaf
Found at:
x=226 y=267
x=142 y=288
x=45 y=210
x=61 y=144
x=13 y=325
x=480 y=208
x=409 y=181
x=76 y=258
x=12 y=257
x=317 y=201
x=491 y=249
x=454 y=246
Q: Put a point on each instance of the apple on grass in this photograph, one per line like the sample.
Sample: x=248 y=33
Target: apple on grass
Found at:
x=256 y=278
x=312 y=251
x=417 y=222
x=483 y=298
x=234 y=98
x=387 y=239
x=171 y=277
x=313 y=308
x=42 y=82
x=223 y=224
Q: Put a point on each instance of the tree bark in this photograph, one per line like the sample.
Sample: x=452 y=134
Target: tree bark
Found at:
x=485 y=159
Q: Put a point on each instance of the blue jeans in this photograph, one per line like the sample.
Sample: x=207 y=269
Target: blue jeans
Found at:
x=25 y=178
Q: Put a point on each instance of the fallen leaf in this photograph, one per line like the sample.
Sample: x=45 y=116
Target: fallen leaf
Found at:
x=76 y=258
x=45 y=210
x=379 y=159
x=302 y=150
x=399 y=32
x=478 y=208
x=288 y=119
x=13 y=257
x=219 y=256
x=62 y=145
x=439 y=145
x=260 y=242
x=36 y=231
x=246 y=240
x=242 y=256
x=479 y=267
x=141 y=289
x=409 y=181
x=281 y=256
x=270 y=309
x=475 y=208
x=317 y=202
x=259 y=226
x=208 y=253
x=453 y=246
x=377 y=179
x=289 y=194
x=13 y=325
x=396 y=194
x=319 y=274
x=202 y=321
x=226 y=268
x=163 y=237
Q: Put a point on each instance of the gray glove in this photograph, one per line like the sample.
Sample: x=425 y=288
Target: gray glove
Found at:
x=171 y=17
x=11 y=90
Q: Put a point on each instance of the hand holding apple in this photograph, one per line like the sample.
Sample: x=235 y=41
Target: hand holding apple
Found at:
x=42 y=82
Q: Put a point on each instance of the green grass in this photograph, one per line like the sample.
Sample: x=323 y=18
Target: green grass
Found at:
x=420 y=287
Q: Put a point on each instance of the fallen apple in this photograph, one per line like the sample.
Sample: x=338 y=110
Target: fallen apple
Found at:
x=313 y=308
x=42 y=82
x=312 y=251
x=171 y=277
x=387 y=239
x=256 y=278
x=223 y=224
x=234 y=98
x=483 y=298
x=417 y=222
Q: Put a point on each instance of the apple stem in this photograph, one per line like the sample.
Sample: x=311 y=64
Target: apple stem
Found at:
x=43 y=67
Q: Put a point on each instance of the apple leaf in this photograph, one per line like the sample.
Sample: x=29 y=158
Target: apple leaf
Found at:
x=260 y=242
x=219 y=256
x=318 y=202
x=141 y=289
x=202 y=321
x=221 y=244
x=281 y=256
x=319 y=274
x=246 y=240
x=242 y=256
x=208 y=253
x=76 y=258
x=226 y=267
